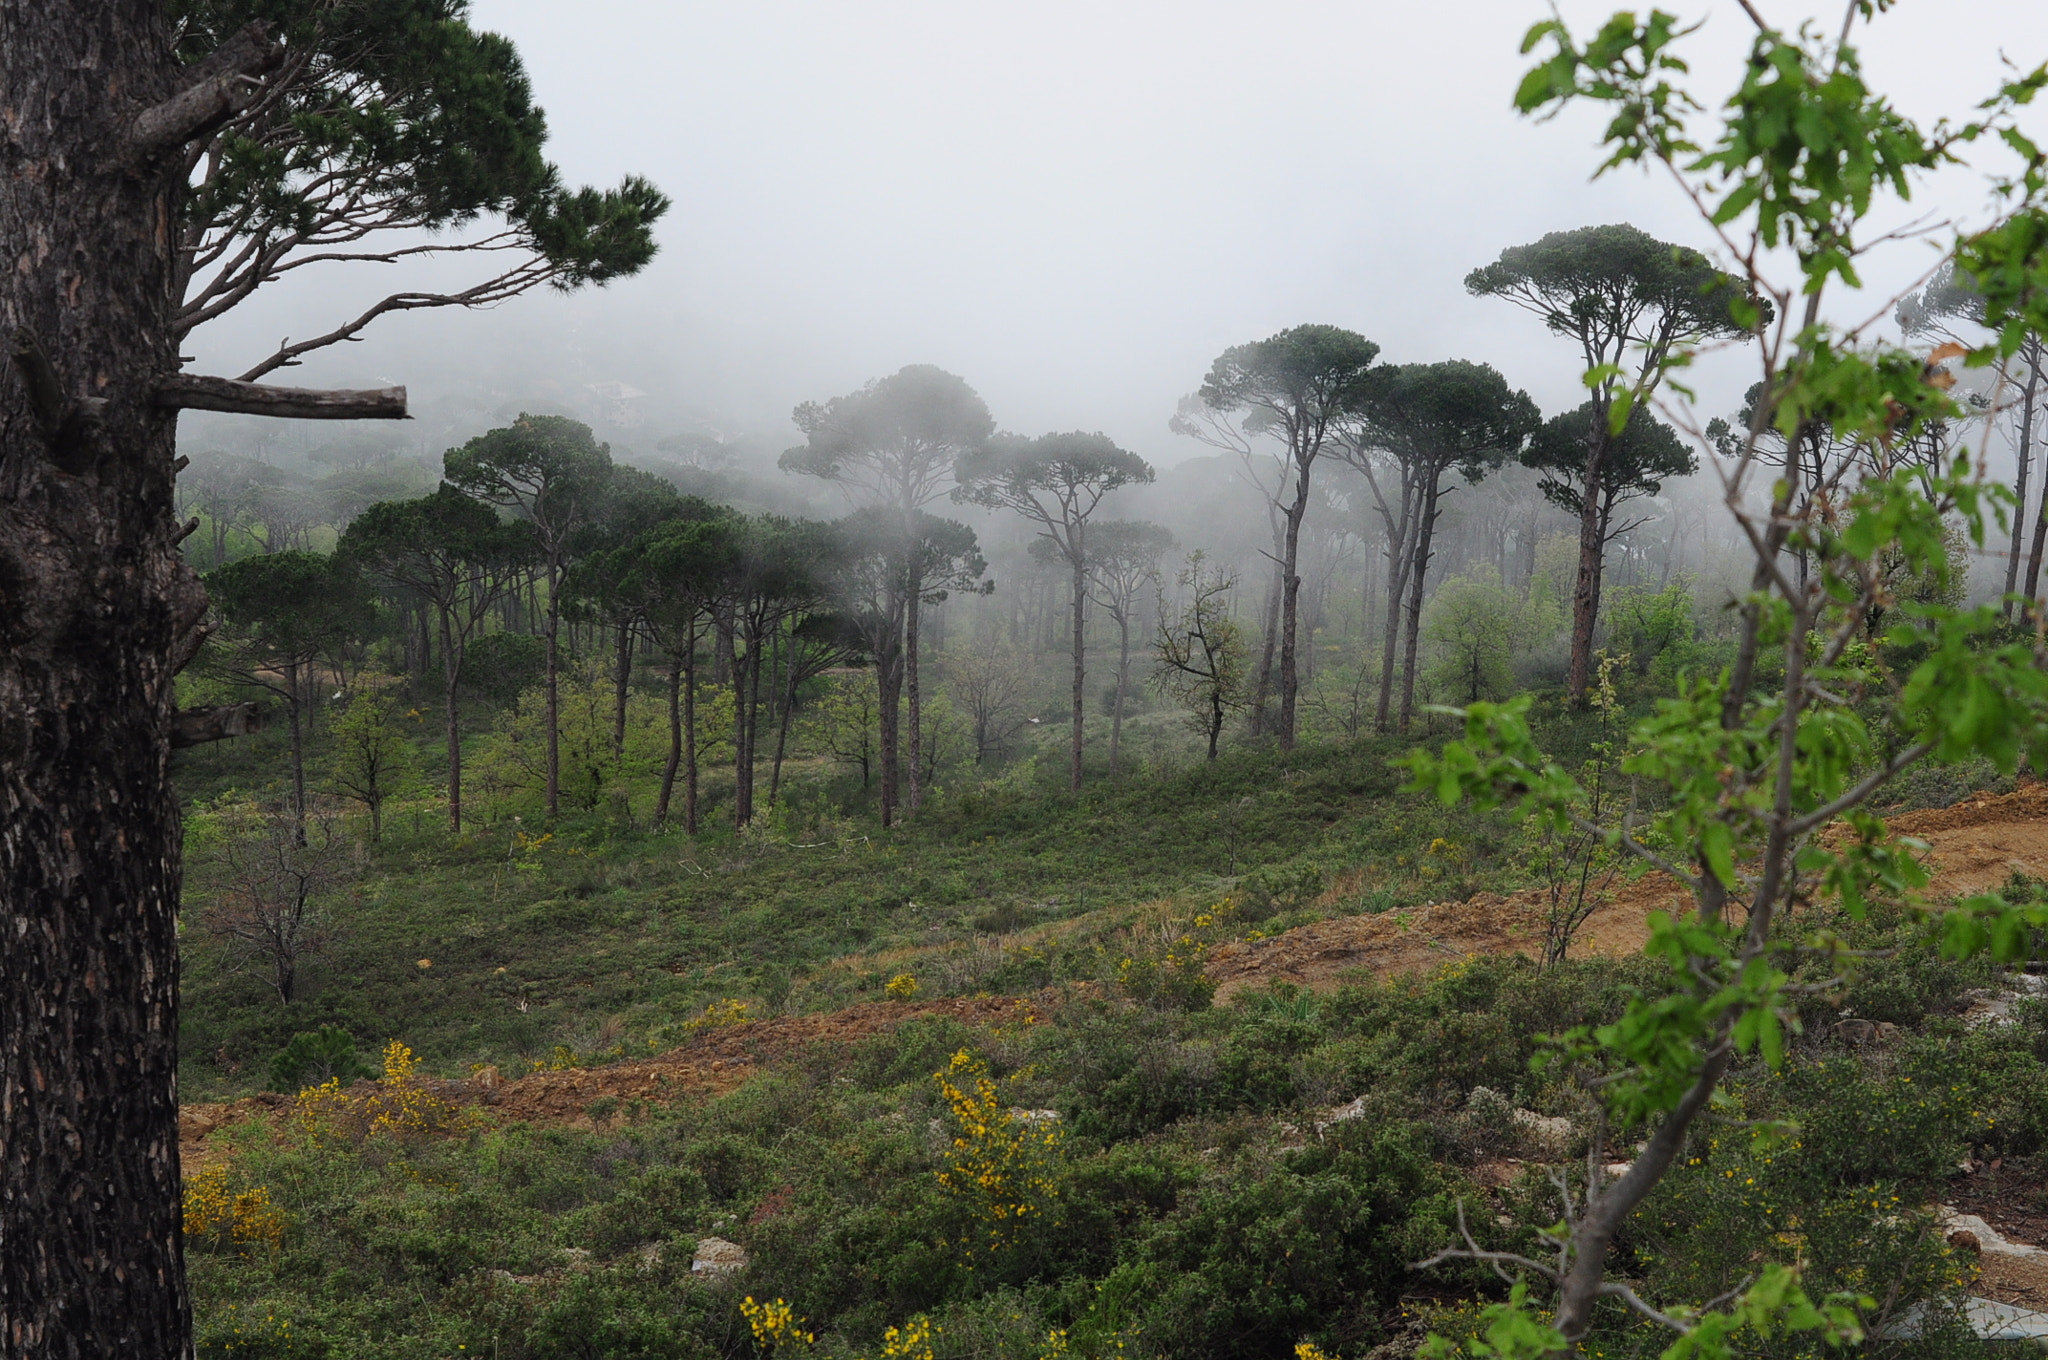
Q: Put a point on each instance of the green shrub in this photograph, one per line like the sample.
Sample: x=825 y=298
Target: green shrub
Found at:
x=318 y=1056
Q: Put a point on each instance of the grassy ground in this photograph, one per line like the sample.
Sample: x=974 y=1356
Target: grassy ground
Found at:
x=1190 y=1193
x=608 y=930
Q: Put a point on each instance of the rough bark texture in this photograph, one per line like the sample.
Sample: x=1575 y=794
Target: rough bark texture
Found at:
x=96 y=613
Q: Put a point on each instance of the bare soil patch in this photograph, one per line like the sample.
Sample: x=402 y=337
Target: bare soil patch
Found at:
x=1975 y=845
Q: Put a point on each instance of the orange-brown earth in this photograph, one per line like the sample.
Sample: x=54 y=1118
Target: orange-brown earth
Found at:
x=1975 y=845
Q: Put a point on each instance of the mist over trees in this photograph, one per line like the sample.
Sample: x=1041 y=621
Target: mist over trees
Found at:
x=1376 y=547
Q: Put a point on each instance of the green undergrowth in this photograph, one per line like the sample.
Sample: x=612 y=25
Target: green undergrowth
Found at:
x=1201 y=1196
x=604 y=936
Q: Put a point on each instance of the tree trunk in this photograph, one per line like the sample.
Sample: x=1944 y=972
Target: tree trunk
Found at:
x=1080 y=659
x=2034 y=352
x=1290 y=616
x=451 y=670
x=889 y=693
x=1592 y=549
x=1399 y=564
x=914 y=755
x=675 y=744
x=96 y=613
x=782 y=737
x=1418 y=572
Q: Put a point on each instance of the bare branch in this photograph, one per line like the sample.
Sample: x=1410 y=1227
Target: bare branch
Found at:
x=194 y=392
x=220 y=87
x=197 y=726
x=1870 y=784
x=1472 y=1251
x=1614 y=1289
x=527 y=275
x=1636 y=848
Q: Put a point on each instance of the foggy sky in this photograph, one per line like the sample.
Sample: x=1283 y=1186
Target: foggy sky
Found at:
x=1075 y=206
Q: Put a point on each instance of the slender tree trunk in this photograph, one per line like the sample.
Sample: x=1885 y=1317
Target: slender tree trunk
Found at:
x=1080 y=658
x=915 y=744
x=451 y=671
x=675 y=743
x=1592 y=551
x=554 y=698
x=623 y=680
x=889 y=694
x=1400 y=564
x=1425 y=529
x=781 y=746
x=2034 y=352
x=96 y=613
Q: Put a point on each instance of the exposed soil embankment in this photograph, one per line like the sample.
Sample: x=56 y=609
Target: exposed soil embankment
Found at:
x=1975 y=845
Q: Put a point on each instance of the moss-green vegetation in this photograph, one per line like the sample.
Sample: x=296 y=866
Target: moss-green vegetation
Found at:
x=1208 y=1203
x=1209 y=1200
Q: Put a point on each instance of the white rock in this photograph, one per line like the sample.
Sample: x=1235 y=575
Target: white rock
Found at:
x=1550 y=1135
x=1350 y=1110
x=716 y=1256
x=1987 y=1236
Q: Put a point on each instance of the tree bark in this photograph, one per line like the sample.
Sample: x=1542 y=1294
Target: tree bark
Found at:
x=782 y=737
x=193 y=392
x=889 y=694
x=622 y=681
x=1418 y=571
x=2034 y=351
x=1592 y=552
x=1400 y=562
x=97 y=612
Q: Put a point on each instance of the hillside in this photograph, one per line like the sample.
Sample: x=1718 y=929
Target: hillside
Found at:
x=1263 y=1094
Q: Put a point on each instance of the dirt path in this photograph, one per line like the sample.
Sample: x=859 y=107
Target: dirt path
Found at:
x=1975 y=844
x=714 y=1061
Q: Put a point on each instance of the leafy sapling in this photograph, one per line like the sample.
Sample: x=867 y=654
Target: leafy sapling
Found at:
x=1748 y=769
